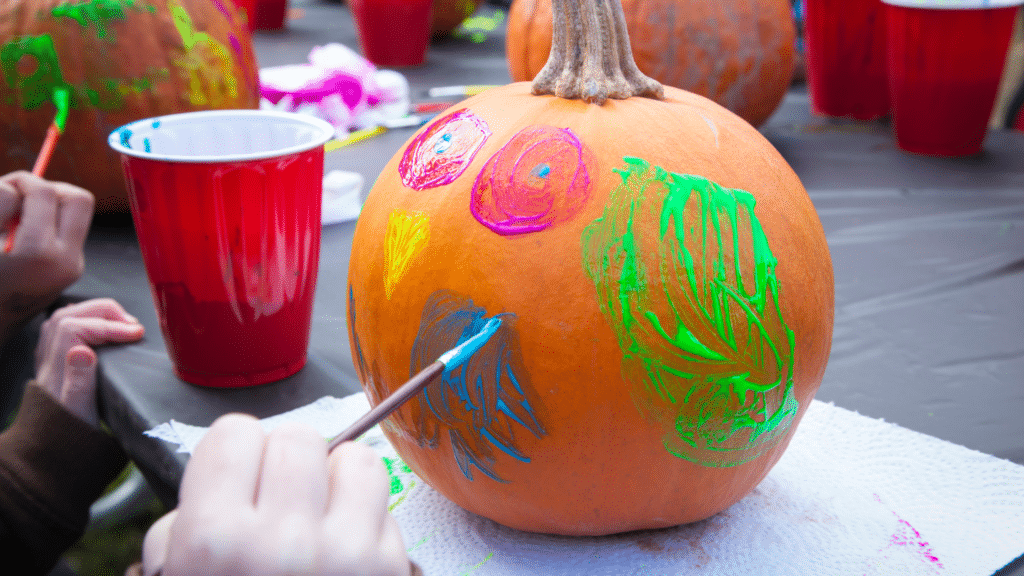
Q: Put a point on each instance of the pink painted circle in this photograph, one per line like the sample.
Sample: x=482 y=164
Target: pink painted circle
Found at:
x=439 y=155
x=539 y=178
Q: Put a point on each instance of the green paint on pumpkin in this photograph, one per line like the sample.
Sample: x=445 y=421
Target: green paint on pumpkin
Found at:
x=99 y=13
x=35 y=88
x=686 y=278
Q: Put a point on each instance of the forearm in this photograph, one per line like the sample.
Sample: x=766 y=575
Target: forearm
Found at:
x=52 y=467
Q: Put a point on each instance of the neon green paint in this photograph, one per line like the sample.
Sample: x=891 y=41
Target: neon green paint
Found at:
x=35 y=89
x=476 y=28
x=98 y=13
x=62 y=101
x=674 y=256
x=478 y=565
x=32 y=90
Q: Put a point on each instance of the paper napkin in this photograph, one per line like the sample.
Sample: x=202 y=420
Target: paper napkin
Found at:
x=851 y=496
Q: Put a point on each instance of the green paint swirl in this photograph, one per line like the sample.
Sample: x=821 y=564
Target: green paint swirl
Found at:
x=686 y=277
x=30 y=90
x=98 y=13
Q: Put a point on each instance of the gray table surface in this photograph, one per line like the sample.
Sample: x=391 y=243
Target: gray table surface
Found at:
x=928 y=256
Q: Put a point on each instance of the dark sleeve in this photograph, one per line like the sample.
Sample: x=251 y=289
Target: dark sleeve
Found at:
x=53 y=466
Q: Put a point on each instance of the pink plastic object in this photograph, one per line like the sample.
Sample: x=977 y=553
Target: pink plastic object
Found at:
x=944 y=72
x=845 y=47
x=393 y=33
x=315 y=86
x=226 y=206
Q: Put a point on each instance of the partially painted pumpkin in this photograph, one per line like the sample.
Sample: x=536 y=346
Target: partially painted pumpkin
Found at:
x=662 y=280
x=446 y=15
x=739 y=53
x=120 y=61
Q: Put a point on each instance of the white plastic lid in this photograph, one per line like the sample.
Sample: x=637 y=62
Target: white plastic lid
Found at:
x=220 y=136
x=955 y=4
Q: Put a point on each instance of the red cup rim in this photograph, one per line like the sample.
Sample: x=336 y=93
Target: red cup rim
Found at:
x=120 y=140
x=954 y=4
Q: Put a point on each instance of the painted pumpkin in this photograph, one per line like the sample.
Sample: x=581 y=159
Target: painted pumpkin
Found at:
x=448 y=14
x=739 y=53
x=121 y=61
x=662 y=280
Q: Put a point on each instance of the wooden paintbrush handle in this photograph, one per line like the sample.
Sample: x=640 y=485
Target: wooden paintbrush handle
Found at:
x=389 y=405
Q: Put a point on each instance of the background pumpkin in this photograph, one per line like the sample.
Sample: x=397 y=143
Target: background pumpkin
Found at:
x=664 y=287
x=739 y=53
x=448 y=14
x=122 y=60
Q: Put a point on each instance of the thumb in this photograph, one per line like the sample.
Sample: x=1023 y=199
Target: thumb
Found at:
x=154 y=546
x=78 y=391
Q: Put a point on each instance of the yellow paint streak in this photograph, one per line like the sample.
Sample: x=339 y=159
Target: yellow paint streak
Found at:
x=407 y=236
x=210 y=74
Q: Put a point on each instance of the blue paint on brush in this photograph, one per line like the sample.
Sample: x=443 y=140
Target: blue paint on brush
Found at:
x=484 y=401
x=461 y=353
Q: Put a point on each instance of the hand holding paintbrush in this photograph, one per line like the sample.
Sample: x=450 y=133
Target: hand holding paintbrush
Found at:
x=448 y=361
x=62 y=101
x=45 y=256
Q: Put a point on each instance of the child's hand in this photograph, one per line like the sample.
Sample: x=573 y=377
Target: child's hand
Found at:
x=45 y=254
x=65 y=363
x=277 y=505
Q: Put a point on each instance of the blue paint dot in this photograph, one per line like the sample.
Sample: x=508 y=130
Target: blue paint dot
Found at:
x=126 y=136
x=541 y=171
x=443 y=144
x=156 y=124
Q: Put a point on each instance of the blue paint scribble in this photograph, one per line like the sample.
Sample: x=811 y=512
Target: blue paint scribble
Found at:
x=482 y=401
x=126 y=137
x=145 y=144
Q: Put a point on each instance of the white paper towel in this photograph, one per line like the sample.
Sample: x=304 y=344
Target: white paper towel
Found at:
x=851 y=496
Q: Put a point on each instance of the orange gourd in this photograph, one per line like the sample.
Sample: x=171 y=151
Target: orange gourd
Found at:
x=121 y=61
x=739 y=53
x=662 y=280
x=446 y=15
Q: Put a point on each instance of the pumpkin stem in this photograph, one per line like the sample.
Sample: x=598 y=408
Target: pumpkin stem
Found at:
x=590 y=58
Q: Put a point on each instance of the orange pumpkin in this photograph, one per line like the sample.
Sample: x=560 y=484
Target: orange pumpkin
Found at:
x=121 y=61
x=662 y=280
x=739 y=53
x=448 y=14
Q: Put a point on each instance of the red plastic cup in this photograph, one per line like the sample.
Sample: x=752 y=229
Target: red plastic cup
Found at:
x=249 y=8
x=393 y=33
x=945 y=60
x=226 y=206
x=845 y=52
x=270 y=14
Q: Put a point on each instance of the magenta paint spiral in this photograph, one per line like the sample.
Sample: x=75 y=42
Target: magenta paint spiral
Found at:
x=539 y=178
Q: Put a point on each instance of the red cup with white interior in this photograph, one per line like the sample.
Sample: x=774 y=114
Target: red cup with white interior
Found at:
x=226 y=206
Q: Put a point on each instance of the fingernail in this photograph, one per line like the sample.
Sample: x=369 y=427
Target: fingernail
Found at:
x=81 y=361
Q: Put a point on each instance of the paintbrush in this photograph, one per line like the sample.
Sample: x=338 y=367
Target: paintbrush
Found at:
x=449 y=360
x=62 y=100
